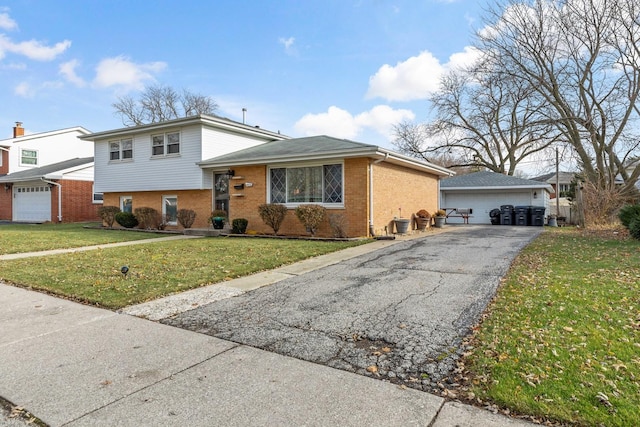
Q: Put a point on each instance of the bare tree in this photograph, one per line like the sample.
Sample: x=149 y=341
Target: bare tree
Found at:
x=582 y=58
x=160 y=103
x=482 y=121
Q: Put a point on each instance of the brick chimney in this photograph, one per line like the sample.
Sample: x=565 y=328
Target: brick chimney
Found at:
x=18 y=130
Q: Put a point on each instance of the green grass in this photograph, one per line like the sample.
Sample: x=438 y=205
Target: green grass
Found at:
x=19 y=238
x=562 y=338
x=157 y=269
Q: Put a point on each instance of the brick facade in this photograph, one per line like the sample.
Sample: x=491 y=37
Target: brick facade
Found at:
x=6 y=203
x=4 y=162
x=198 y=200
x=77 y=202
x=395 y=187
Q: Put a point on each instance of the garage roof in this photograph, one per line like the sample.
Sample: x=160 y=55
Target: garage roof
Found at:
x=52 y=171
x=490 y=181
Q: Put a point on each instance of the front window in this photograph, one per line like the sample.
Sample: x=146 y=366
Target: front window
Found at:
x=165 y=144
x=97 y=197
x=170 y=209
x=126 y=204
x=121 y=150
x=307 y=184
x=28 y=157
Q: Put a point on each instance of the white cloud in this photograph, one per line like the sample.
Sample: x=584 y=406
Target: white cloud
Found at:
x=6 y=23
x=335 y=122
x=120 y=71
x=340 y=123
x=288 y=45
x=33 y=49
x=68 y=70
x=24 y=90
x=417 y=77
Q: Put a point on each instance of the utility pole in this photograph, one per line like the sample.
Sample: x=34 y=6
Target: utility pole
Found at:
x=557 y=184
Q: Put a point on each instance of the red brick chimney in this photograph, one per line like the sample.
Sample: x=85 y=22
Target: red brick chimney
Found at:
x=18 y=130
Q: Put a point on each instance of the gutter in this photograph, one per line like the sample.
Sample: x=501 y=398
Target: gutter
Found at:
x=375 y=162
x=59 y=196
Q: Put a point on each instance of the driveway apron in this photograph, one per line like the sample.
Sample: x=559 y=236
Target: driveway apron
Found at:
x=398 y=313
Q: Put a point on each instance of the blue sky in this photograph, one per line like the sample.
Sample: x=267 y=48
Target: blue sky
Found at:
x=344 y=68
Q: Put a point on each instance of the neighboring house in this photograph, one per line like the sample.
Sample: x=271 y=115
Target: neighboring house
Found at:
x=61 y=192
x=156 y=165
x=484 y=191
x=564 y=180
x=47 y=176
x=365 y=185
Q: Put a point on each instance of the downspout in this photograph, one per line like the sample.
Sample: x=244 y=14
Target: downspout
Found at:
x=375 y=162
x=59 y=196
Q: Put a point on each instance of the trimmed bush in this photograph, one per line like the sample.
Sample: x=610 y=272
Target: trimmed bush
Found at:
x=634 y=228
x=338 y=223
x=628 y=213
x=108 y=214
x=126 y=219
x=148 y=218
x=186 y=217
x=311 y=216
x=273 y=214
x=239 y=226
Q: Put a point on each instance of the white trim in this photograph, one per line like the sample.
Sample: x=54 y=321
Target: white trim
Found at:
x=28 y=165
x=164 y=206
x=122 y=199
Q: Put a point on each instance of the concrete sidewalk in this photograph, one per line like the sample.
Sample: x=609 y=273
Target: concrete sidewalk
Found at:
x=75 y=365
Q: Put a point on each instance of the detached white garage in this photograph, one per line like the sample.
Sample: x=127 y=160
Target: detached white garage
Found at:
x=481 y=192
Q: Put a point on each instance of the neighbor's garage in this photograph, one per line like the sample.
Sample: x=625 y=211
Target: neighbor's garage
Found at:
x=484 y=191
x=31 y=202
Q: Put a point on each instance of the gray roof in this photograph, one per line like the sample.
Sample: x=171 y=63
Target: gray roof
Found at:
x=320 y=147
x=565 y=177
x=43 y=171
x=489 y=180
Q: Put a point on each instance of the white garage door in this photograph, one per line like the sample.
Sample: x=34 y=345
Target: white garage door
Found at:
x=483 y=202
x=31 y=203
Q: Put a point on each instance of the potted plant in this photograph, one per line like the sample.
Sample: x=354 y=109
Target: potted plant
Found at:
x=440 y=218
x=217 y=219
x=402 y=224
x=423 y=219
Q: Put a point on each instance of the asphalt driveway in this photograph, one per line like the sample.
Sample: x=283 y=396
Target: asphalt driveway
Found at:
x=398 y=313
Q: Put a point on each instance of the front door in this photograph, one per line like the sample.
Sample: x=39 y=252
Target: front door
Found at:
x=221 y=192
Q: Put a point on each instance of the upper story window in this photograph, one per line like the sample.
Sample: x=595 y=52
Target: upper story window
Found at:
x=28 y=157
x=307 y=184
x=165 y=144
x=121 y=150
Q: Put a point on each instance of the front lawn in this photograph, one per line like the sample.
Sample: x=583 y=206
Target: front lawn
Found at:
x=157 y=269
x=562 y=338
x=19 y=238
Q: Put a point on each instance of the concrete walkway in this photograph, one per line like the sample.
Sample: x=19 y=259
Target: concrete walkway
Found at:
x=75 y=365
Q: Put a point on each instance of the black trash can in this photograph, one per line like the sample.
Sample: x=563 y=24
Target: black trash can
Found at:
x=537 y=215
x=494 y=214
x=521 y=215
x=506 y=218
x=506 y=215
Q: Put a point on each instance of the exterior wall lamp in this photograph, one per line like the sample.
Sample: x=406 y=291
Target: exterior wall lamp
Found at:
x=230 y=173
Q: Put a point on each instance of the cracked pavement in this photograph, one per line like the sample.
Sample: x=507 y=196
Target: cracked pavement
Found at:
x=398 y=313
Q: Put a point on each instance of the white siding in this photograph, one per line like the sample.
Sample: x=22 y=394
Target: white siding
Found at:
x=144 y=173
x=483 y=201
x=52 y=148
x=84 y=174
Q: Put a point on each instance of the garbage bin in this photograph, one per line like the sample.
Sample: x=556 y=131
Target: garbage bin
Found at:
x=494 y=214
x=506 y=215
x=521 y=215
x=537 y=215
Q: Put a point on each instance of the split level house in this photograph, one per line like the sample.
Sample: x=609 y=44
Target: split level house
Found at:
x=204 y=163
x=47 y=176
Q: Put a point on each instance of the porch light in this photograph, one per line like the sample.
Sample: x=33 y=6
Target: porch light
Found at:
x=7 y=187
x=535 y=194
x=230 y=173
